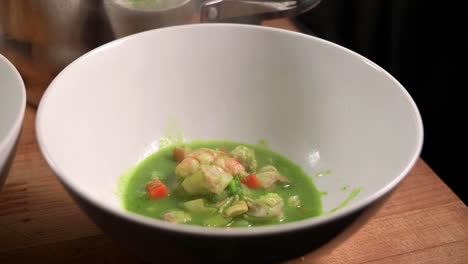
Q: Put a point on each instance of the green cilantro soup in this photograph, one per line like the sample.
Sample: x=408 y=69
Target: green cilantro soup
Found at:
x=220 y=184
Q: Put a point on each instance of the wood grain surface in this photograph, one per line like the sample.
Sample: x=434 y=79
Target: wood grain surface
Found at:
x=422 y=222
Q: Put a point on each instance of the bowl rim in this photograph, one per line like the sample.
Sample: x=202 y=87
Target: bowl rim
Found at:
x=18 y=121
x=231 y=232
x=149 y=10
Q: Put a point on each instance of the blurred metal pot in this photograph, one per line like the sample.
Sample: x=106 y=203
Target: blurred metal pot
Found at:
x=41 y=37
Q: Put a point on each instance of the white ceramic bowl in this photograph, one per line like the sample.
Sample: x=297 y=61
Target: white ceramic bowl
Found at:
x=306 y=97
x=12 y=106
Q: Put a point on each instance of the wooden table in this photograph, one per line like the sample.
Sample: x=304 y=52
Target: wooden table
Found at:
x=423 y=221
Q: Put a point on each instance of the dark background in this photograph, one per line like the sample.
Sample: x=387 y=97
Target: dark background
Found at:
x=421 y=43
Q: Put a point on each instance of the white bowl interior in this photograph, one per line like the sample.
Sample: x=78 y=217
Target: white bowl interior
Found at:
x=109 y=109
x=12 y=104
x=12 y=97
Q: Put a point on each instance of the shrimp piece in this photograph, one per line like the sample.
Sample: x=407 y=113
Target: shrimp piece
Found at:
x=235 y=167
x=246 y=157
x=208 y=179
x=187 y=167
x=267 y=206
x=216 y=179
x=269 y=175
x=204 y=155
x=229 y=164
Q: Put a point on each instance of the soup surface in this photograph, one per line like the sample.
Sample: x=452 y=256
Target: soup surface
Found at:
x=220 y=184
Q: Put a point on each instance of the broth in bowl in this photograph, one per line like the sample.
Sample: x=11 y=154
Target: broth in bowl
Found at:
x=220 y=184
